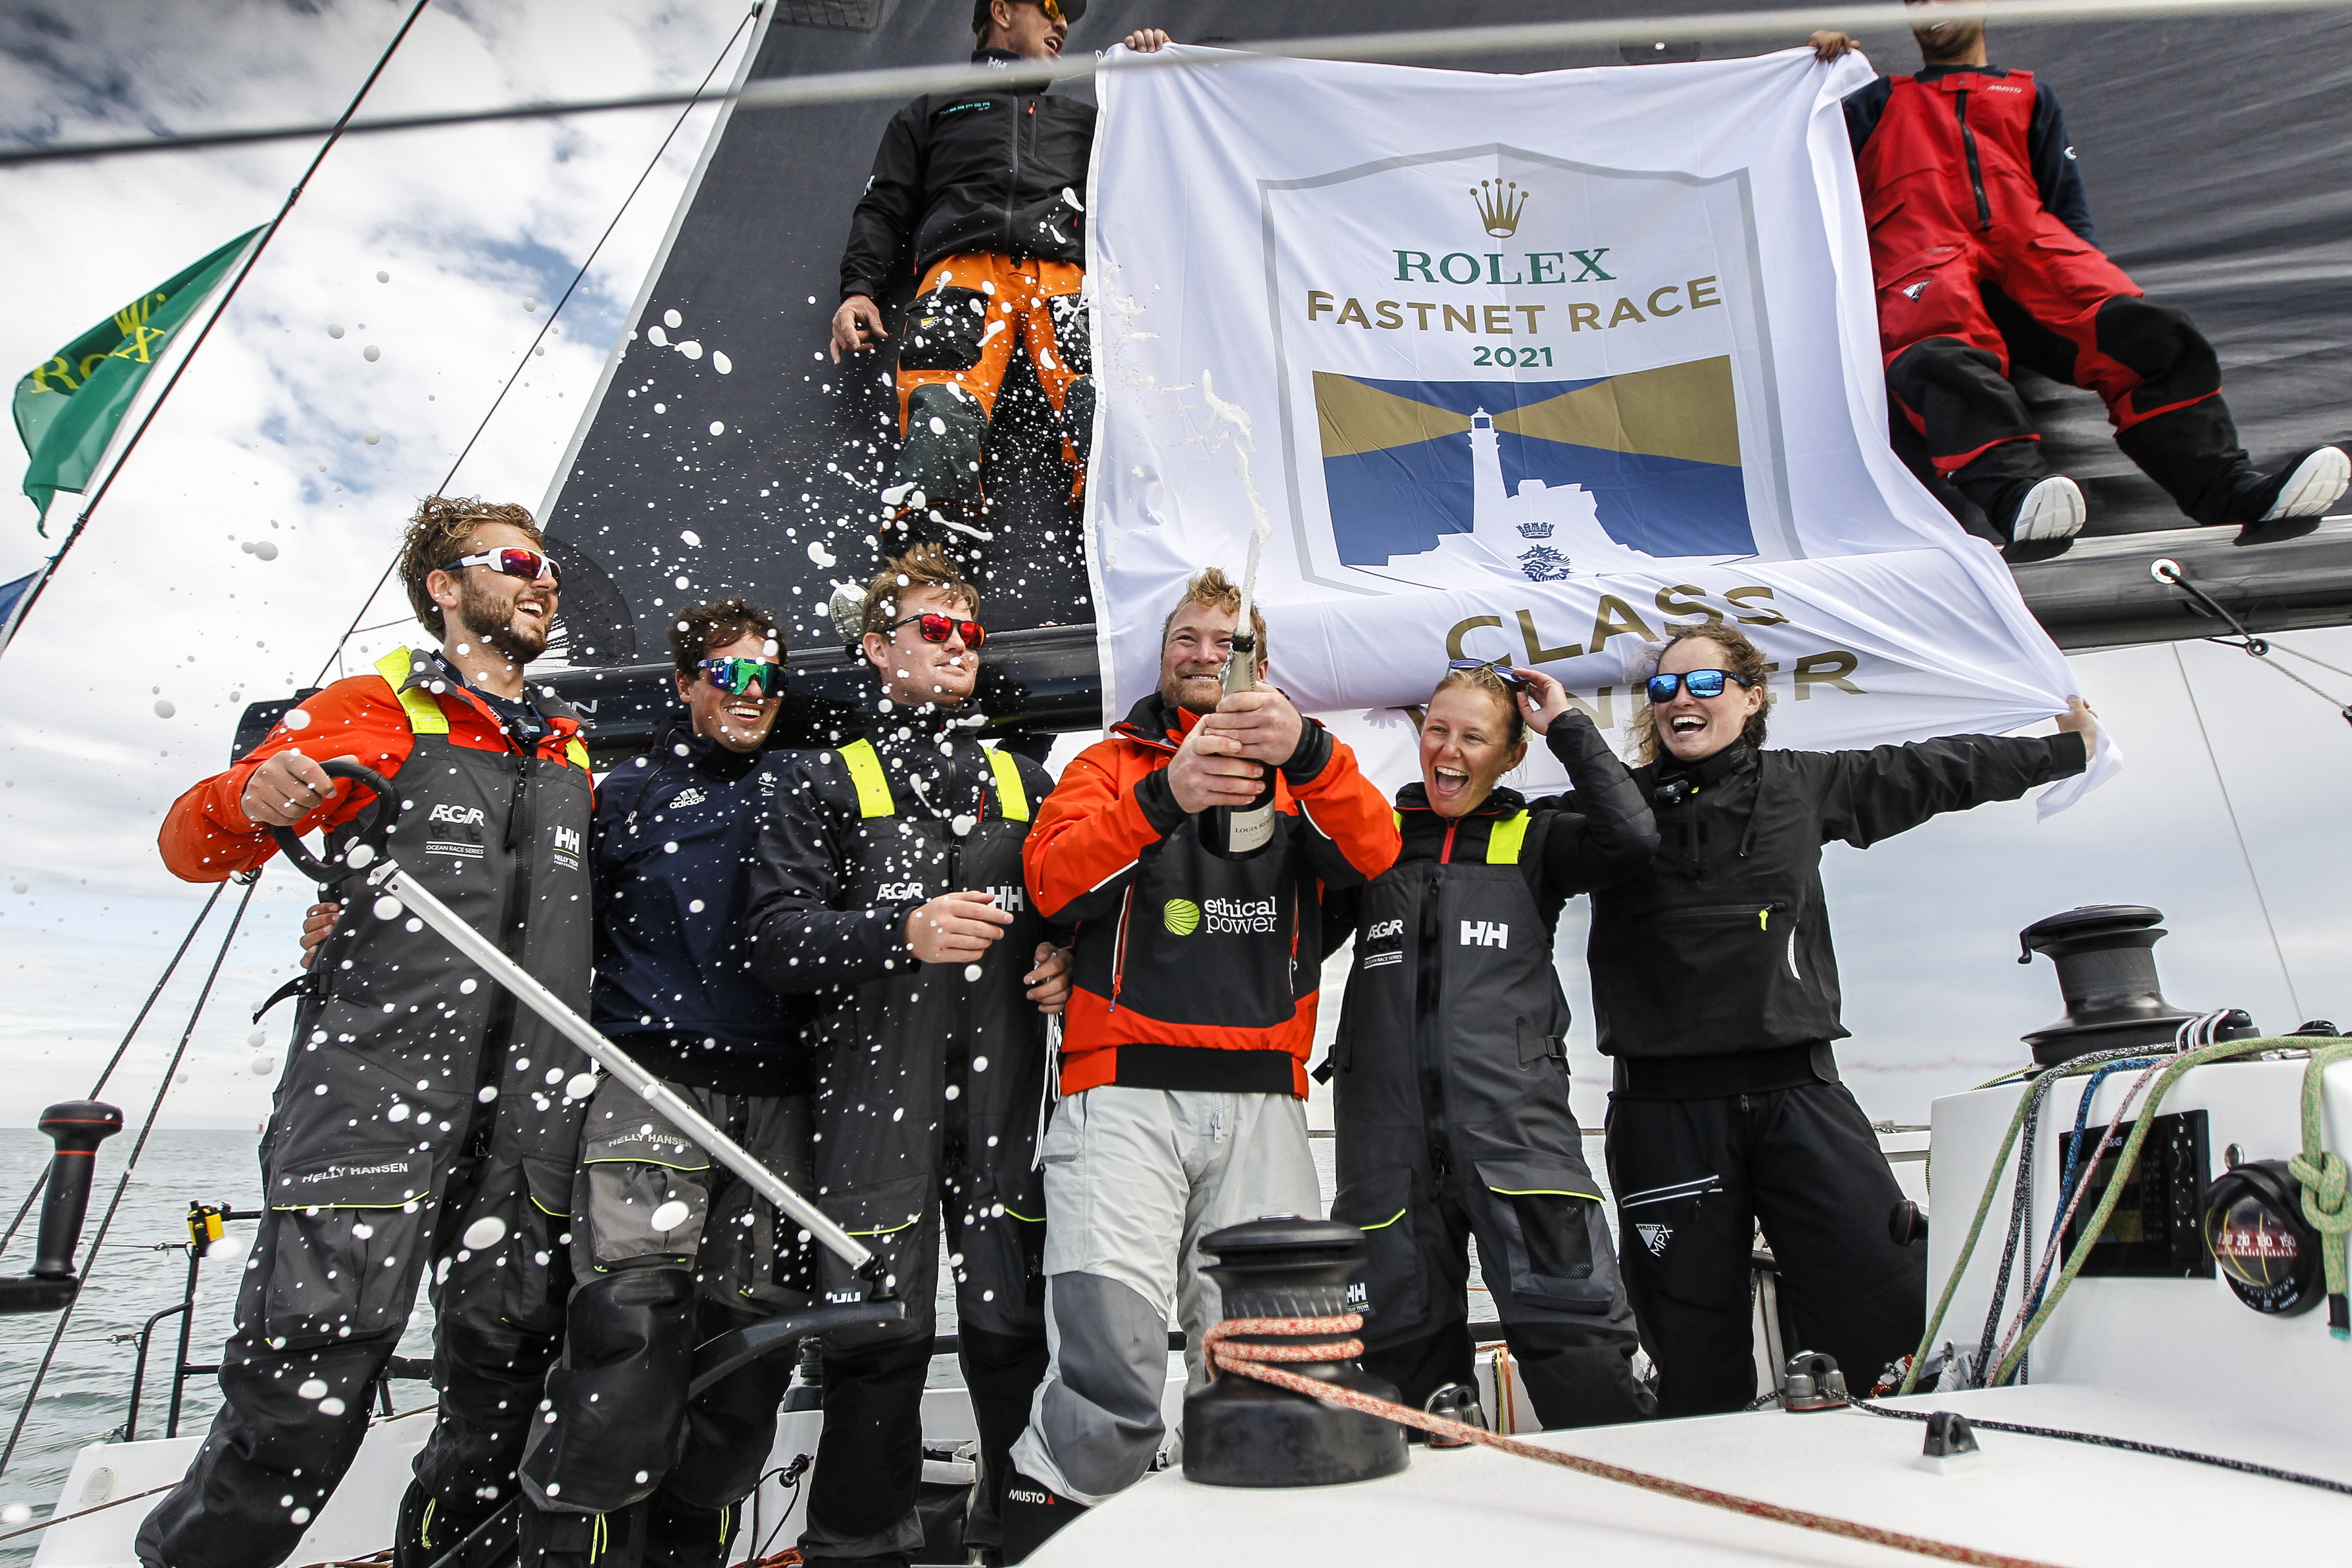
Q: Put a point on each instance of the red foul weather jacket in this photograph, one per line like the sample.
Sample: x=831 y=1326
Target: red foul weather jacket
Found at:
x=1194 y=972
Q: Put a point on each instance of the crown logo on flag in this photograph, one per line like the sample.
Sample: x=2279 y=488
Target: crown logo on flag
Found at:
x=1535 y=531
x=1500 y=202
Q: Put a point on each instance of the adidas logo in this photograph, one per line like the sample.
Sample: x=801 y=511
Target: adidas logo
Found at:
x=692 y=796
x=1655 y=1238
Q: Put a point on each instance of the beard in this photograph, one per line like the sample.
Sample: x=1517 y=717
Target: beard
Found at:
x=1171 y=690
x=492 y=622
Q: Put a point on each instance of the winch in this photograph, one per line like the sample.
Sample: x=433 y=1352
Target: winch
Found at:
x=1242 y=1433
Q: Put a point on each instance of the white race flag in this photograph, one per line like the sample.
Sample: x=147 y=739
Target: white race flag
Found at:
x=1527 y=367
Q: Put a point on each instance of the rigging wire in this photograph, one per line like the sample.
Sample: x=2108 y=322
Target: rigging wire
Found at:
x=1431 y=43
x=98 y=1087
x=245 y=269
x=122 y=1184
x=545 y=327
x=2227 y=804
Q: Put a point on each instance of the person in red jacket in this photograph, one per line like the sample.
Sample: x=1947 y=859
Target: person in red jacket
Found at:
x=1184 y=1053
x=1983 y=251
x=425 y=1127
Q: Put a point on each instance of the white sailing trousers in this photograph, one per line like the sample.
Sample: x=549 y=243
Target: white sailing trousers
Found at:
x=1134 y=1178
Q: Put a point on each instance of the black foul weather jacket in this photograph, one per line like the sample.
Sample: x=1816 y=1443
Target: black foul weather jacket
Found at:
x=672 y=852
x=1002 y=170
x=1721 y=949
x=1451 y=1058
x=929 y=1077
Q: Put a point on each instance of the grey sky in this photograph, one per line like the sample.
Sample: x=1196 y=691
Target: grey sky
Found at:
x=266 y=439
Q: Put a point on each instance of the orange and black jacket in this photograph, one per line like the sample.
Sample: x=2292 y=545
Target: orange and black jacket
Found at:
x=1196 y=973
x=206 y=836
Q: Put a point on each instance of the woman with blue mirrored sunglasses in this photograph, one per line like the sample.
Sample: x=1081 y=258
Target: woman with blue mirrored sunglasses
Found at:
x=1716 y=989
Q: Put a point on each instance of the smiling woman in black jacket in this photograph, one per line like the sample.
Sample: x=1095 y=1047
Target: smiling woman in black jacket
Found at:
x=1715 y=987
x=1452 y=1062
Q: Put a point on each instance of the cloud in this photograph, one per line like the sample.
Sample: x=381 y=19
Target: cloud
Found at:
x=264 y=436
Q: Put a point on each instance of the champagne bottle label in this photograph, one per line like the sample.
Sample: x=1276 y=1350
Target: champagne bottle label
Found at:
x=1248 y=829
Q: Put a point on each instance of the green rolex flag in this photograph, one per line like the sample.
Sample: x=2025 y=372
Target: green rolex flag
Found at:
x=68 y=404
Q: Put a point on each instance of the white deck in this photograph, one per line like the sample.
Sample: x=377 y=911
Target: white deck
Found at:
x=2027 y=1496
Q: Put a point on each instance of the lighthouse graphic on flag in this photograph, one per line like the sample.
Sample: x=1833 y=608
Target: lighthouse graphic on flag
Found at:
x=1440 y=483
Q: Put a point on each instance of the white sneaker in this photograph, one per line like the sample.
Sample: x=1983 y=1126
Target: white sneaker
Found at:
x=2051 y=509
x=2317 y=483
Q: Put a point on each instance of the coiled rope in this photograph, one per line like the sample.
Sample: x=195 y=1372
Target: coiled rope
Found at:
x=2321 y=1171
x=1222 y=1352
x=2028 y=1109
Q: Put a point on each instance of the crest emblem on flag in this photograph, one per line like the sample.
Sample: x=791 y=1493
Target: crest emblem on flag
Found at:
x=1556 y=378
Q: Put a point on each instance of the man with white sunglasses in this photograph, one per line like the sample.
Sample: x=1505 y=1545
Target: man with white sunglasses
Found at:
x=422 y=1119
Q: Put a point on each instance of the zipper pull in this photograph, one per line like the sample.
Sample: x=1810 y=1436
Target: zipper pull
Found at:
x=1764 y=919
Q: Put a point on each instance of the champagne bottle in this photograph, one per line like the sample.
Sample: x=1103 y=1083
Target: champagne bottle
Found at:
x=1241 y=832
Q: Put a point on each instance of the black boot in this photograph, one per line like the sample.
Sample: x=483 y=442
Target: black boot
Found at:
x=1033 y=1513
x=2036 y=513
x=680 y=1535
x=2193 y=453
x=616 y=1540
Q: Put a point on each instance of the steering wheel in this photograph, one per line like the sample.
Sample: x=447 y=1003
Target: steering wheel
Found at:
x=374 y=834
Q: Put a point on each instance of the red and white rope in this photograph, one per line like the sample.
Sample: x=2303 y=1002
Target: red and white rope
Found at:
x=1223 y=1353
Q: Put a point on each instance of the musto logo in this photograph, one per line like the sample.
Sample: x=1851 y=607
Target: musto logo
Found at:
x=1559 y=376
x=1219 y=917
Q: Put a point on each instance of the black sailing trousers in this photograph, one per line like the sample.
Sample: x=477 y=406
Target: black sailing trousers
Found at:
x=1693 y=1178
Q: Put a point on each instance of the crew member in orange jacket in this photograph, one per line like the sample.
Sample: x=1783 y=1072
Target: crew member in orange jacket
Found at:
x=422 y=1118
x=1182 y=1068
x=1982 y=244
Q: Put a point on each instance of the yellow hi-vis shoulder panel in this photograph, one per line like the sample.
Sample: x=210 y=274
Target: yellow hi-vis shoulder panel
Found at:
x=1011 y=798
x=866 y=771
x=1504 y=838
x=425 y=715
x=577 y=755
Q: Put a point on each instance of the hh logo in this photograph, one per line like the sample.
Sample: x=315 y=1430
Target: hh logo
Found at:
x=463 y=816
x=1486 y=934
x=1014 y=899
x=567 y=839
x=1358 y=1296
x=1656 y=1238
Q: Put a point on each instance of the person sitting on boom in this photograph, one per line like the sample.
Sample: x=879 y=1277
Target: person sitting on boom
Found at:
x=1451 y=1063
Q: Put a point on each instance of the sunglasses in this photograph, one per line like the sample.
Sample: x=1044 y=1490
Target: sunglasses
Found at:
x=1698 y=682
x=1052 y=9
x=936 y=627
x=1513 y=682
x=514 y=561
x=737 y=676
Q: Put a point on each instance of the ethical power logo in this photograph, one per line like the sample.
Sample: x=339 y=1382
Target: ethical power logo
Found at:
x=1219 y=917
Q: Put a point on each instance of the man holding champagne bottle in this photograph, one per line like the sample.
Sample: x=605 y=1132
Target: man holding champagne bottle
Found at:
x=1182 y=1073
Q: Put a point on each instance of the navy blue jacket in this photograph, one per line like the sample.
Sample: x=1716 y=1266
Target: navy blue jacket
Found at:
x=674 y=834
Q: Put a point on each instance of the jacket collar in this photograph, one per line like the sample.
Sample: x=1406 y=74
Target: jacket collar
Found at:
x=1499 y=802
x=1156 y=723
x=1707 y=771
x=427 y=668
x=681 y=742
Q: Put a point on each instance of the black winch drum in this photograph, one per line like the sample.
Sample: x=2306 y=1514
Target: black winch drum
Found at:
x=2105 y=958
x=1239 y=1432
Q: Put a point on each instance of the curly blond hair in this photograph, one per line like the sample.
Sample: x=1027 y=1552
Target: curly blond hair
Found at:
x=441 y=531
x=924 y=566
